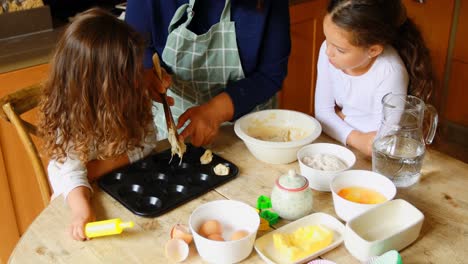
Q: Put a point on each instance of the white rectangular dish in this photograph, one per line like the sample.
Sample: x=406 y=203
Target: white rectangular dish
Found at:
x=267 y=251
x=392 y=225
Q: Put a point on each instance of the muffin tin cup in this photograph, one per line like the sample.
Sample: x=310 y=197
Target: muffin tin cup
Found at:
x=153 y=186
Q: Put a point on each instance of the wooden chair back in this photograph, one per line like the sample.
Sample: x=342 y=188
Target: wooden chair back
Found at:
x=12 y=106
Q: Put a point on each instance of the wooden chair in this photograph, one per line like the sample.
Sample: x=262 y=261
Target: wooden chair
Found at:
x=12 y=106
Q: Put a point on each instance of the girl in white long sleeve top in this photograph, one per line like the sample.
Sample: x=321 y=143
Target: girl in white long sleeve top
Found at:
x=371 y=49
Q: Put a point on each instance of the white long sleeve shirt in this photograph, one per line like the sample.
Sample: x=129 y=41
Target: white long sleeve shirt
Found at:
x=359 y=97
x=72 y=173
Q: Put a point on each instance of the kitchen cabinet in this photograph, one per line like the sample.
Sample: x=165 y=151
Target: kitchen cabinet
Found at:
x=19 y=195
x=306 y=38
x=446 y=36
x=453 y=132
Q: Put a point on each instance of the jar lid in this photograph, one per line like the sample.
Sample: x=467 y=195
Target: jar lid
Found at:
x=292 y=182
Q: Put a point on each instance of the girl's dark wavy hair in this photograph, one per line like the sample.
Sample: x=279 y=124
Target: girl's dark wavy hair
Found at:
x=94 y=98
x=385 y=22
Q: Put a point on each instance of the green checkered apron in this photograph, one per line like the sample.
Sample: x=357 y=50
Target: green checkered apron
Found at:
x=202 y=64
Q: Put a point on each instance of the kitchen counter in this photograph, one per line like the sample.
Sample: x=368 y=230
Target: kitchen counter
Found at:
x=440 y=195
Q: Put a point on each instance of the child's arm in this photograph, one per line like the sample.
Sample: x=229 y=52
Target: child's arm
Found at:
x=97 y=168
x=361 y=141
x=69 y=178
x=325 y=113
x=79 y=202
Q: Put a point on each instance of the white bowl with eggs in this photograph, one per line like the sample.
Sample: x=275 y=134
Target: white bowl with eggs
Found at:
x=347 y=209
x=224 y=231
x=321 y=162
x=274 y=136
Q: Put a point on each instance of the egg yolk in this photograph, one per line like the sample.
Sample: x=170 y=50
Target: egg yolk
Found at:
x=362 y=195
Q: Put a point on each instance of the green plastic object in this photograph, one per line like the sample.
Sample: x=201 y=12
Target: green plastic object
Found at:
x=271 y=217
x=263 y=202
x=389 y=257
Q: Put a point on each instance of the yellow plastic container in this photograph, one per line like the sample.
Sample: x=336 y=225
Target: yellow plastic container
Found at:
x=107 y=227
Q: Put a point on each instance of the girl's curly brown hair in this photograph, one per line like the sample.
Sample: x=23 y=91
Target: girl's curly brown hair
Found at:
x=94 y=98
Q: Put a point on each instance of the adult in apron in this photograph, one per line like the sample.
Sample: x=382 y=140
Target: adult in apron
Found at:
x=202 y=65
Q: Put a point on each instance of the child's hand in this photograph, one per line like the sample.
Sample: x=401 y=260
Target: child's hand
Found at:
x=362 y=141
x=79 y=220
x=156 y=86
x=79 y=202
x=339 y=112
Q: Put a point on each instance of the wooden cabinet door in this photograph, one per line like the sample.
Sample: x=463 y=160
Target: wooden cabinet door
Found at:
x=17 y=176
x=306 y=38
x=454 y=114
x=455 y=109
x=434 y=19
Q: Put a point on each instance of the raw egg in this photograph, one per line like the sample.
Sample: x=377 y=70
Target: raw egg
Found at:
x=239 y=234
x=181 y=232
x=210 y=227
x=362 y=195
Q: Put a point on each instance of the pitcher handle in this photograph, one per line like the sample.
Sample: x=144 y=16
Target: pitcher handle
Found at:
x=434 y=120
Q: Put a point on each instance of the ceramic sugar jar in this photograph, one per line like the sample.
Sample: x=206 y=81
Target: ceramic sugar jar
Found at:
x=291 y=197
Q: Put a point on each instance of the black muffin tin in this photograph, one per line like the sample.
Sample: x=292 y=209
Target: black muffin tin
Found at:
x=153 y=186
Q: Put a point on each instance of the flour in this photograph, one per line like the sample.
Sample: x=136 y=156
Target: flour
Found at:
x=324 y=162
x=276 y=133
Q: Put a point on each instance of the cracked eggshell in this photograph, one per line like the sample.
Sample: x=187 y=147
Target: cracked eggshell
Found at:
x=176 y=250
x=181 y=232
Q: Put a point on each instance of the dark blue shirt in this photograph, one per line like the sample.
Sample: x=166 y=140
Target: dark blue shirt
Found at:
x=263 y=40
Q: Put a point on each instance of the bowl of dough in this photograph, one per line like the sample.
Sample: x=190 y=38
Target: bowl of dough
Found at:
x=274 y=136
x=321 y=162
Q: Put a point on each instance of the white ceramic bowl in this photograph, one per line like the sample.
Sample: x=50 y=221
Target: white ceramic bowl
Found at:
x=277 y=152
x=318 y=179
x=389 y=226
x=345 y=209
x=233 y=216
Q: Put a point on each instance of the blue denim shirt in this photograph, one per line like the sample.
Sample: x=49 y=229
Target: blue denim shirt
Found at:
x=263 y=40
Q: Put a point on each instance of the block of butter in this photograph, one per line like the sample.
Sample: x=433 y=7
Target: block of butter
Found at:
x=303 y=242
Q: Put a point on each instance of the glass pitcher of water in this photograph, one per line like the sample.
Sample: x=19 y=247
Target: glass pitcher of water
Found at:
x=400 y=144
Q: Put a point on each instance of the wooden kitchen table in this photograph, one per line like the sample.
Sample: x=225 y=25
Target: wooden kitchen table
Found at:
x=441 y=195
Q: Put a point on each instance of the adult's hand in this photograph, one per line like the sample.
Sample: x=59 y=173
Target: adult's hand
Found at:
x=156 y=86
x=206 y=119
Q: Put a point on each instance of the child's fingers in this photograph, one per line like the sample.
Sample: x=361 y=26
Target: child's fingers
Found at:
x=81 y=233
x=77 y=232
x=170 y=100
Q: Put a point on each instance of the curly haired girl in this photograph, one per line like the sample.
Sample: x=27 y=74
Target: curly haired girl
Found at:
x=94 y=108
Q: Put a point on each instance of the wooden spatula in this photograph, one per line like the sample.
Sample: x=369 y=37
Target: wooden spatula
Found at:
x=177 y=146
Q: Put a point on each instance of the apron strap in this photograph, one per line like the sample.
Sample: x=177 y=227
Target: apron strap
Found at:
x=179 y=14
x=187 y=8
x=226 y=15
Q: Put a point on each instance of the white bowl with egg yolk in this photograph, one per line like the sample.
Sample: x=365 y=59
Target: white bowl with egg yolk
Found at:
x=274 y=136
x=369 y=180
